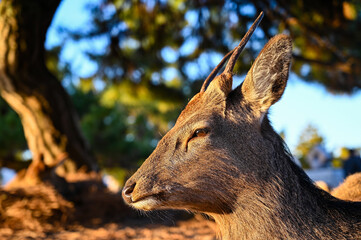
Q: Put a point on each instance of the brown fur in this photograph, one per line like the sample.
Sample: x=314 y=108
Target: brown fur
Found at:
x=239 y=171
x=350 y=189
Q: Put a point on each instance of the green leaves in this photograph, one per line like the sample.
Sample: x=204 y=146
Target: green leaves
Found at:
x=157 y=53
x=12 y=140
x=309 y=138
x=124 y=122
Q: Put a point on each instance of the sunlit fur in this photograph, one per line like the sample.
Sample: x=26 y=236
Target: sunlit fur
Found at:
x=350 y=189
x=241 y=173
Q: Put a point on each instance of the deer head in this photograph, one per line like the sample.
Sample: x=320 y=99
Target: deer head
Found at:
x=217 y=153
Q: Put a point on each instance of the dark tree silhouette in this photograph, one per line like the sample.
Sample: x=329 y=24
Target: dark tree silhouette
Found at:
x=47 y=115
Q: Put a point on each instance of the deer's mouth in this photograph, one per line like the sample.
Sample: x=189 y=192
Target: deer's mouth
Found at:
x=148 y=202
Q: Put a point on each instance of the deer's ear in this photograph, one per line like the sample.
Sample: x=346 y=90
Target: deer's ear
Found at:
x=267 y=78
x=222 y=85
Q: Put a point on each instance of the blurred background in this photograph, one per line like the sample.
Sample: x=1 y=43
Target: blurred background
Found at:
x=89 y=87
x=129 y=67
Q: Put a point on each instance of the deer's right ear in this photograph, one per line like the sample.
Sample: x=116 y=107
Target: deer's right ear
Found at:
x=267 y=78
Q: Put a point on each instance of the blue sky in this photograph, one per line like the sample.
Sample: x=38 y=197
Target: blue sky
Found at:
x=338 y=117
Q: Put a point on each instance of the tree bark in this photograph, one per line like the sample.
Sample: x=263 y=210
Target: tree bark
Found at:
x=49 y=120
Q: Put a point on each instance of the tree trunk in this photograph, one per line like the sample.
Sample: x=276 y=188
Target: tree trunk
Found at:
x=48 y=117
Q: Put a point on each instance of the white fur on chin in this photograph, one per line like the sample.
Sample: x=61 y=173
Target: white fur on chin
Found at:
x=146 y=204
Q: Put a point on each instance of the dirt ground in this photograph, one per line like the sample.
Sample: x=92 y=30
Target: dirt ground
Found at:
x=186 y=229
x=39 y=212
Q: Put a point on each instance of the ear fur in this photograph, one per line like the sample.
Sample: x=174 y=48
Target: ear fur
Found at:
x=217 y=91
x=222 y=84
x=267 y=78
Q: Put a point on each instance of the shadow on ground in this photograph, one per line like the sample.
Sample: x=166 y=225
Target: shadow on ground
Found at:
x=39 y=212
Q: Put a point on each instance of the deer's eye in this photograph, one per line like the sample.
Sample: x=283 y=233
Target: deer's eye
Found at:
x=200 y=133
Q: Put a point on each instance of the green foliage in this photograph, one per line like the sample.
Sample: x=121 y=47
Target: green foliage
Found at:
x=309 y=138
x=123 y=123
x=147 y=37
x=326 y=42
x=157 y=53
x=52 y=62
x=120 y=174
x=12 y=140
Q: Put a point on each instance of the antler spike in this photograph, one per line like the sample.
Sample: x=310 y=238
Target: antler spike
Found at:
x=235 y=54
x=242 y=44
x=214 y=72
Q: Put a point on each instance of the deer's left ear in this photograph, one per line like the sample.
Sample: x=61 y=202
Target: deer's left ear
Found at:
x=222 y=85
x=267 y=78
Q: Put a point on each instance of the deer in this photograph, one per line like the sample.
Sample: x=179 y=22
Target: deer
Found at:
x=224 y=159
x=350 y=189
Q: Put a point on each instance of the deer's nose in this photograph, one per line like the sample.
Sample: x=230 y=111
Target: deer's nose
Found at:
x=127 y=192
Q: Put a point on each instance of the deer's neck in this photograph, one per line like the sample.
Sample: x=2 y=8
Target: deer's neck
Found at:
x=288 y=206
x=263 y=214
x=256 y=219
